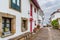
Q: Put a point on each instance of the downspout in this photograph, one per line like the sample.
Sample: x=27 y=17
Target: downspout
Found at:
x=31 y=17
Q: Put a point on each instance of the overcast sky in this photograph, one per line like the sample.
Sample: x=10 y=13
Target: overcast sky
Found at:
x=48 y=7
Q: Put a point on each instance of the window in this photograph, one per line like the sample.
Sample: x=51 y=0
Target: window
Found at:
x=6 y=26
x=35 y=10
x=24 y=24
x=35 y=23
x=39 y=21
x=16 y=4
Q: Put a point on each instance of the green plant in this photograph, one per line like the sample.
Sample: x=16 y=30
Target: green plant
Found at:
x=55 y=24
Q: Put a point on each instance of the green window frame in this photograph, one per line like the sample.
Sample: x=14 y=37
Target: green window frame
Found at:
x=16 y=5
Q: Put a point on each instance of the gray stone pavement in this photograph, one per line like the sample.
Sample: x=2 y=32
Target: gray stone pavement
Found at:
x=55 y=34
x=48 y=33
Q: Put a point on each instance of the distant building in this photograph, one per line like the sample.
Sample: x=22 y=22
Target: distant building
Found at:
x=55 y=15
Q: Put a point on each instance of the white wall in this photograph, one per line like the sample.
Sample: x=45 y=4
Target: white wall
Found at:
x=34 y=17
x=41 y=23
x=25 y=8
x=56 y=15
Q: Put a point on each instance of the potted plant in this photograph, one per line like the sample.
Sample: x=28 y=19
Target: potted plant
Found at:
x=38 y=26
x=34 y=30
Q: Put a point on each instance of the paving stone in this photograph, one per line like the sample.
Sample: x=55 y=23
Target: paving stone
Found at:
x=47 y=34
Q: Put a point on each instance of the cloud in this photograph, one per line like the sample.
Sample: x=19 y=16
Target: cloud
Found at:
x=45 y=3
x=52 y=6
x=42 y=2
x=48 y=7
x=48 y=3
x=50 y=0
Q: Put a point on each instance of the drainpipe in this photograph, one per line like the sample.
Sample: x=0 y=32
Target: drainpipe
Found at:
x=31 y=17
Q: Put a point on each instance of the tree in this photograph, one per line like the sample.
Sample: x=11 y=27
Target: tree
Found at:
x=55 y=24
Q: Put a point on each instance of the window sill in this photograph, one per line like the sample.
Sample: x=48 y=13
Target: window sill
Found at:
x=24 y=31
x=3 y=36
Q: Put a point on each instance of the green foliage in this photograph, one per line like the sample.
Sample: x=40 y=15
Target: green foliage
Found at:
x=55 y=24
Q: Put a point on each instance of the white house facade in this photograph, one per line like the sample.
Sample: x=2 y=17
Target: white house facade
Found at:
x=41 y=18
x=15 y=17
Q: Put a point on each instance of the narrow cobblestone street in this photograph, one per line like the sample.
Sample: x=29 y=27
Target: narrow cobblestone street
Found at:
x=48 y=34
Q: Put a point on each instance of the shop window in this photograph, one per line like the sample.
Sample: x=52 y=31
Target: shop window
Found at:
x=24 y=24
x=16 y=4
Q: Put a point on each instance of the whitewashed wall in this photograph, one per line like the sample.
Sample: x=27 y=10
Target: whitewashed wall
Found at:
x=40 y=17
x=41 y=22
x=55 y=16
x=34 y=17
x=25 y=8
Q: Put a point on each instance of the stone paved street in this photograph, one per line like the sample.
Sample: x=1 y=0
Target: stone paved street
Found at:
x=48 y=34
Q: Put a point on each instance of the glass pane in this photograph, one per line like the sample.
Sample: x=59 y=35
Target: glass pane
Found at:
x=6 y=29
x=7 y=33
x=2 y=25
x=18 y=2
x=2 y=20
x=8 y=21
x=8 y=25
x=14 y=1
